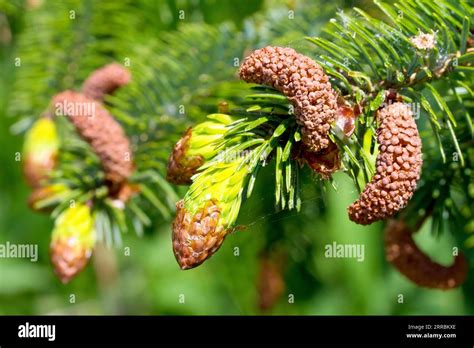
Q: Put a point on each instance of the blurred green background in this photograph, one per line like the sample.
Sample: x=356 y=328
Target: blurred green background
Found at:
x=148 y=280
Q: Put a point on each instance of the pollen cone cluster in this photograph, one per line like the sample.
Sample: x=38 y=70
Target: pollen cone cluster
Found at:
x=105 y=81
x=398 y=167
x=305 y=85
x=72 y=242
x=402 y=252
x=105 y=135
x=198 y=237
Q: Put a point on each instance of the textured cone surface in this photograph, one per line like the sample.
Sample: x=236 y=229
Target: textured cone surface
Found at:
x=398 y=165
x=198 y=237
x=305 y=85
x=105 y=81
x=402 y=252
x=68 y=257
x=180 y=166
x=105 y=135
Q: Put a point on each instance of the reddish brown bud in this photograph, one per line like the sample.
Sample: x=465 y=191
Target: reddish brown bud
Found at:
x=72 y=241
x=182 y=167
x=325 y=162
x=105 y=81
x=398 y=167
x=345 y=119
x=196 y=238
x=35 y=171
x=223 y=107
x=36 y=195
x=69 y=257
x=40 y=194
x=126 y=192
x=270 y=283
x=305 y=85
x=402 y=252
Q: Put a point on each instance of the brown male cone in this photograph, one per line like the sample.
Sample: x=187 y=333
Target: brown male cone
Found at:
x=105 y=81
x=96 y=126
x=198 y=237
x=398 y=167
x=305 y=85
x=402 y=252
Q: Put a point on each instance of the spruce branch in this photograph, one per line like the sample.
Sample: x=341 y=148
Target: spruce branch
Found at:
x=423 y=44
x=367 y=65
x=376 y=67
x=102 y=181
x=220 y=187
